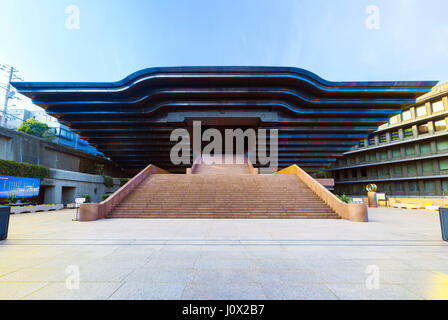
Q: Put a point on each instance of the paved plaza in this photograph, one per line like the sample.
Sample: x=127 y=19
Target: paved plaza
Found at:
x=397 y=255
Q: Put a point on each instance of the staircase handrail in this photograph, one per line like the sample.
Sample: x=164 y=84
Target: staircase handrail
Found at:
x=349 y=211
x=95 y=211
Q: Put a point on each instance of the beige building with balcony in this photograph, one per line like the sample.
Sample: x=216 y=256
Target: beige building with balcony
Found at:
x=407 y=158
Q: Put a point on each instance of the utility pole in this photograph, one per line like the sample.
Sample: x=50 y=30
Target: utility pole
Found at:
x=7 y=96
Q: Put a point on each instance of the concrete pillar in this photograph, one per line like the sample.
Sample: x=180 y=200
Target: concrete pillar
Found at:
x=366 y=141
x=405 y=171
x=428 y=108
x=375 y=138
x=421 y=186
x=389 y=154
x=433 y=145
x=415 y=131
x=445 y=103
x=419 y=168
x=53 y=195
x=438 y=183
x=431 y=128
x=435 y=166
x=412 y=109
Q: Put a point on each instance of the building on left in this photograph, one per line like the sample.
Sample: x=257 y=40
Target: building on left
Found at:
x=72 y=172
x=63 y=134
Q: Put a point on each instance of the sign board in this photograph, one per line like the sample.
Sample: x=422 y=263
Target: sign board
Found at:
x=79 y=201
x=380 y=196
x=358 y=200
x=371 y=187
x=18 y=187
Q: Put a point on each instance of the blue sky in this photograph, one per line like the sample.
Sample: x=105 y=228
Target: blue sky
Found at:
x=327 y=37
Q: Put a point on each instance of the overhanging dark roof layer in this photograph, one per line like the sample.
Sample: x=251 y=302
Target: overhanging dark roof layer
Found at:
x=130 y=120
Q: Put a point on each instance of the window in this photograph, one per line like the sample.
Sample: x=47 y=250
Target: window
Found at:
x=437 y=106
x=362 y=158
x=384 y=171
x=412 y=169
x=394 y=119
x=440 y=125
x=427 y=166
x=430 y=186
x=407 y=133
x=421 y=111
x=444 y=185
x=443 y=164
x=373 y=172
x=383 y=138
x=442 y=145
x=386 y=187
x=354 y=174
x=372 y=157
x=406 y=115
x=396 y=153
x=413 y=186
x=398 y=170
x=425 y=148
x=394 y=136
x=410 y=150
x=371 y=141
x=363 y=172
x=383 y=155
x=399 y=187
x=423 y=128
x=362 y=143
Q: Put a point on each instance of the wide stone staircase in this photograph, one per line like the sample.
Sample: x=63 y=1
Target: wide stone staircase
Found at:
x=222 y=191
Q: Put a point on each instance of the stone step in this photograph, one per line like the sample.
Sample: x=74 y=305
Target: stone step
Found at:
x=214 y=205
x=279 y=209
x=233 y=194
x=214 y=216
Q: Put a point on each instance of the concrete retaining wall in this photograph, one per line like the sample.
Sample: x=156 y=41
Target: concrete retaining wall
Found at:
x=23 y=147
x=65 y=182
x=64 y=186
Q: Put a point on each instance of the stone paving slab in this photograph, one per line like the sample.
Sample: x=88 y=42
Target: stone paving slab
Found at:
x=225 y=259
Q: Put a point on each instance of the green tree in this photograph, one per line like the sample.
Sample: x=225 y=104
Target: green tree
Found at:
x=36 y=128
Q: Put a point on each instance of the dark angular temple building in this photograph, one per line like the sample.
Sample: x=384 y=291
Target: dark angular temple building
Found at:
x=130 y=121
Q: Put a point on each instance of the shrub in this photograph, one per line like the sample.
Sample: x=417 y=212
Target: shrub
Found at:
x=322 y=174
x=88 y=198
x=108 y=181
x=123 y=181
x=344 y=198
x=105 y=196
x=37 y=129
x=21 y=169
